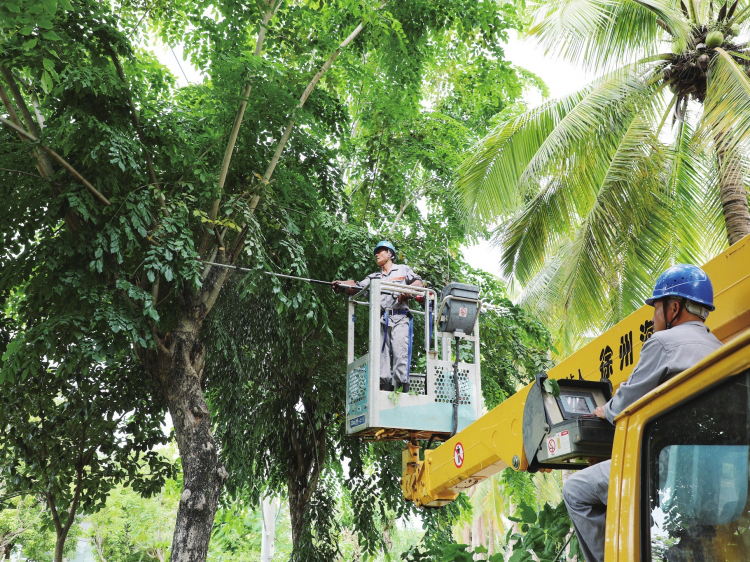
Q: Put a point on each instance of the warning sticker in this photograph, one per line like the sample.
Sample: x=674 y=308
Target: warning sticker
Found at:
x=558 y=444
x=458 y=455
x=462 y=312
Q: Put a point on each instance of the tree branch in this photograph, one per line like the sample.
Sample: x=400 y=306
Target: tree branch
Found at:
x=30 y=125
x=224 y=170
x=306 y=94
x=59 y=159
x=42 y=163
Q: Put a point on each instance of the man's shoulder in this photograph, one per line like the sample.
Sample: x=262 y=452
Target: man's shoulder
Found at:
x=402 y=268
x=689 y=333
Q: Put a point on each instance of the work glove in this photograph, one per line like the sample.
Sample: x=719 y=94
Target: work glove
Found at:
x=348 y=287
x=403 y=297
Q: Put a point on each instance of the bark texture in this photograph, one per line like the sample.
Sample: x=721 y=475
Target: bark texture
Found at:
x=177 y=365
x=733 y=195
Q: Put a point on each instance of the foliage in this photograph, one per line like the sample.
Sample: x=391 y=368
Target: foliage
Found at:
x=111 y=305
x=594 y=193
x=22 y=529
x=237 y=533
x=75 y=426
x=544 y=534
x=132 y=526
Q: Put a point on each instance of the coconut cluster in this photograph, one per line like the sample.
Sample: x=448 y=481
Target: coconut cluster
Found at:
x=686 y=71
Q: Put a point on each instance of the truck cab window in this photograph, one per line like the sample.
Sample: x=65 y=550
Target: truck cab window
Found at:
x=696 y=478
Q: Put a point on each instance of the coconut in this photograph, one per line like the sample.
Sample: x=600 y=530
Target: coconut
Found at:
x=735 y=30
x=714 y=39
x=703 y=61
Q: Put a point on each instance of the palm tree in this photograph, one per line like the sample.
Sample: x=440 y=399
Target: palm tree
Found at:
x=597 y=192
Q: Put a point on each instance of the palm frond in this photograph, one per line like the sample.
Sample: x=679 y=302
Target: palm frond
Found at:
x=588 y=177
x=726 y=114
x=507 y=163
x=488 y=179
x=603 y=114
x=604 y=34
x=697 y=220
x=571 y=280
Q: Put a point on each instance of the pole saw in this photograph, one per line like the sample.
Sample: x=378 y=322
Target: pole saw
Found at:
x=238 y=268
x=305 y=279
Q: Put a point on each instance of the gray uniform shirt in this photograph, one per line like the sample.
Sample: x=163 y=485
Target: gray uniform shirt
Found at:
x=399 y=273
x=664 y=355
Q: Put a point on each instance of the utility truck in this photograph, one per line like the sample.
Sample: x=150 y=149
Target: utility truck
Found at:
x=680 y=455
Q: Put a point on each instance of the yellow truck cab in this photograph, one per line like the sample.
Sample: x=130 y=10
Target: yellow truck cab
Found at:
x=679 y=477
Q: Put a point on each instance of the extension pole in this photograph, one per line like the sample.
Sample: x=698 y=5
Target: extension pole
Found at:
x=238 y=268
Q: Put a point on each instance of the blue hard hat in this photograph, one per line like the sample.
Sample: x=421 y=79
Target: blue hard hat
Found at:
x=385 y=244
x=684 y=280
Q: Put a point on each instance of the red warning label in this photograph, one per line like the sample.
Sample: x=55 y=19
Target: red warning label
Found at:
x=458 y=455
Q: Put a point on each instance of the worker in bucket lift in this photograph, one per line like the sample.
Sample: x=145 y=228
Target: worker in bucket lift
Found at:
x=682 y=299
x=396 y=320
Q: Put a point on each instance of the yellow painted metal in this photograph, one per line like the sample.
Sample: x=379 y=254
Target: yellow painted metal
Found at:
x=495 y=441
x=624 y=501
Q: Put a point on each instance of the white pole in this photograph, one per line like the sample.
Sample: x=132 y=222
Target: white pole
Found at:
x=270 y=511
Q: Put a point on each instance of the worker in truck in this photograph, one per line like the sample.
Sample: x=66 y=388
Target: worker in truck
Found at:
x=682 y=299
x=396 y=320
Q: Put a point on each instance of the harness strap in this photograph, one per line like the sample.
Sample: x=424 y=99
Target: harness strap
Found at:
x=385 y=332
x=411 y=337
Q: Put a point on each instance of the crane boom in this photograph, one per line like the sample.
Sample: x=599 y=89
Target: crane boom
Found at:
x=495 y=441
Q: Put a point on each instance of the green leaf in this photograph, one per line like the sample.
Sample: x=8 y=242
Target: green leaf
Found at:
x=552 y=387
x=51 y=36
x=44 y=23
x=46 y=82
x=527 y=513
x=50 y=6
x=30 y=44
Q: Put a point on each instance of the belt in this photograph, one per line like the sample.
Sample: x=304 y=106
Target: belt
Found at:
x=398 y=311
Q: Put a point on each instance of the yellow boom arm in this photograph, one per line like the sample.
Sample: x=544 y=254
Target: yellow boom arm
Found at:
x=495 y=441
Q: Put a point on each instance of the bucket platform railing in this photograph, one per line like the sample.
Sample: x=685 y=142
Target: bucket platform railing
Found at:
x=427 y=410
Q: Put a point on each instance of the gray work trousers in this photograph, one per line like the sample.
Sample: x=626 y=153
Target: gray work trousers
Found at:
x=396 y=348
x=585 y=495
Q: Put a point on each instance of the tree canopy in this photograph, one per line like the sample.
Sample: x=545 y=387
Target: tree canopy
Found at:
x=318 y=127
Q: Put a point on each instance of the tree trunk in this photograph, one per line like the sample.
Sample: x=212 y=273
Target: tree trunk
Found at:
x=60 y=545
x=204 y=477
x=297 y=505
x=177 y=364
x=304 y=476
x=733 y=194
x=270 y=511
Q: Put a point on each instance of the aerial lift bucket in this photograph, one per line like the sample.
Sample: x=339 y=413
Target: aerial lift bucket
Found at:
x=430 y=409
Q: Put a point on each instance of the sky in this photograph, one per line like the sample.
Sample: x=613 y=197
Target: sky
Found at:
x=561 y=78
